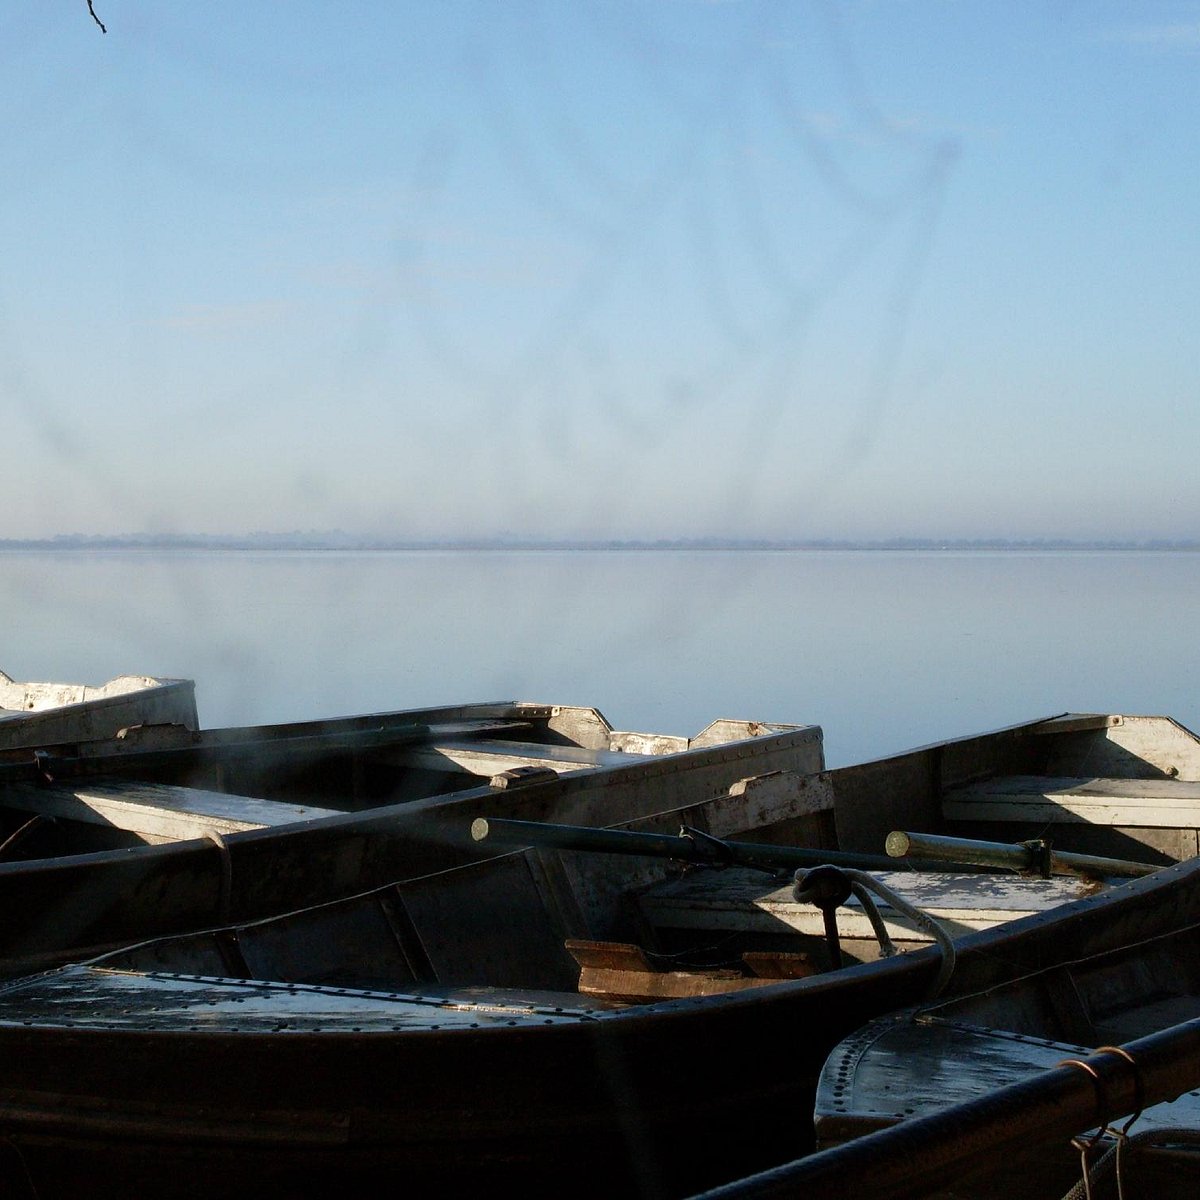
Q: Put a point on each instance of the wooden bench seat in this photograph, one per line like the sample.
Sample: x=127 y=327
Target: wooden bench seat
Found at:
x=482 y=758
x=157 y=812
x=749 y=902
x=1164 y=803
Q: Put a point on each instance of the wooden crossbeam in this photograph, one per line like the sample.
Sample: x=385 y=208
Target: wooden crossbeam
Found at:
x=158 y=812
x=488 y=759
x=1168 y=803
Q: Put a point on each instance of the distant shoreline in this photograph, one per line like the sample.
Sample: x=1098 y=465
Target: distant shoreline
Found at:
x=265 y=542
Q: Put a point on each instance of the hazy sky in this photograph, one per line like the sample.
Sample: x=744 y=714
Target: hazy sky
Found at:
x=877 y=268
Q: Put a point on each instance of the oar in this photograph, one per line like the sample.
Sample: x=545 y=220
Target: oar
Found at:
x=691 y=845
x=1036 y=856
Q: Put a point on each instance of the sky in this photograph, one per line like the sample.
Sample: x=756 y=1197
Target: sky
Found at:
x=672 y=268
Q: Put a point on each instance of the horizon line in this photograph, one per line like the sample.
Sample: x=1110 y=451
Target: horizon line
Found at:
x=338 y=540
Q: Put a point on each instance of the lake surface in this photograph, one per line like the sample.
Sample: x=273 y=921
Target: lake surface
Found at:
x=884 y=649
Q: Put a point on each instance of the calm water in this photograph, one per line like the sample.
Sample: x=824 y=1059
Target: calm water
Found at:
x=884 y=649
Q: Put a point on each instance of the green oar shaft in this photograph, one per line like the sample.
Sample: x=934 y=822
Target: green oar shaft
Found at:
x=698 y=848
x=1005 y=855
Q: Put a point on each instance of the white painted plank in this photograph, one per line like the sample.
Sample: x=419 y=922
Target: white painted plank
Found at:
x=748 y=901
x=158 y=812
x=480 y=758
x=1170 y=803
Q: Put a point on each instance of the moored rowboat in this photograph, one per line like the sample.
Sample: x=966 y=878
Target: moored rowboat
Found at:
x=166 y=828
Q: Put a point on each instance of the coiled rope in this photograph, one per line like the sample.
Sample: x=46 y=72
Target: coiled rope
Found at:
x=862 y=884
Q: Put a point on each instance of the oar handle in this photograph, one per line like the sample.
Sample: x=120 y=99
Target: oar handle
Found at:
x=1019 y=856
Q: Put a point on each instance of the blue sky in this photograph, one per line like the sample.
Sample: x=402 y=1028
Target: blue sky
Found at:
x=670 y=268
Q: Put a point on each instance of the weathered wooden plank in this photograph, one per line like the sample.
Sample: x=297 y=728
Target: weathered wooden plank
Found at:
x=747 y=901
x=488 y=759
x=749 y=805
x=763 y=800
x=621 y=972
x=1173 y=803
x=633 y=742
x=158 y=812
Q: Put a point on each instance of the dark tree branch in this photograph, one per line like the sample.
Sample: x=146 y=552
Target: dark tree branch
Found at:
x=96 y=18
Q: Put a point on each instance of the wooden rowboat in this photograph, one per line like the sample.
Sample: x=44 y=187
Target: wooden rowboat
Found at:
x=167 y=828
x=34 y=714
x=565 y=1018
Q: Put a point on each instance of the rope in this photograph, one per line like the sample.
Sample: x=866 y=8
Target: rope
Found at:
x=922 y=920
x=24 y=1165
x=886 y=946
x=862 y=884
x=1086 y=1145
x=1111 y=1161
x=20 y=834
